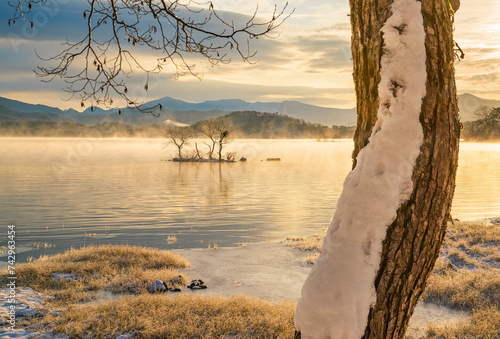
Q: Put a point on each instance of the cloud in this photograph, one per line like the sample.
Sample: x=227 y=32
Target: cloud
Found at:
x=481 y=78
x=55 y=21
x=310 y=61
x=484 y=85
x=326 y=53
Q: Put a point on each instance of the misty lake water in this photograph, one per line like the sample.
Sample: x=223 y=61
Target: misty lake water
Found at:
x=75 y=192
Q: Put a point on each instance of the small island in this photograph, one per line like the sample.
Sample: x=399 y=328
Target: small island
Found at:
x=219 y=131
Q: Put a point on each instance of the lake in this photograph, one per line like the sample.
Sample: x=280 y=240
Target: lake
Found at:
x=73 y=192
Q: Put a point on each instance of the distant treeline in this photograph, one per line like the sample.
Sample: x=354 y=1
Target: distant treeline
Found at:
x=55 y=129
x=248 y=124
x=251 y=124
x=485 y=128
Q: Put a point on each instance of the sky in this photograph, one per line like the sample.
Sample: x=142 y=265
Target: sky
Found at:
x=309 y=61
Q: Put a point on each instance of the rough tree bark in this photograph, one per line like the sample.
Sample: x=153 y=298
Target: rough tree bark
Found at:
x=413 y=240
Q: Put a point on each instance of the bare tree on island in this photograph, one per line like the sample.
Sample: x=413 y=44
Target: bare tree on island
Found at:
x=485 y=127
x=391 y=217
x=220 y=132
x=223 y=134
x=178 y=136
x=483 y=112
x=208 y=129
x=96 y=66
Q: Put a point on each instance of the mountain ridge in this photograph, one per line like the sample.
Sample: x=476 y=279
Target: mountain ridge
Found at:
x=189 y=113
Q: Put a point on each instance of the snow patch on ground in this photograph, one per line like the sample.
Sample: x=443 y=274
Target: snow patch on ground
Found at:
x=27 y=304
x=339 y=291
x=265 y=270
x=427 y=314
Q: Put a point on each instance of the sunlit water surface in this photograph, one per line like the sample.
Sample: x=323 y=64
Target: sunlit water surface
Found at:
x=73 y=192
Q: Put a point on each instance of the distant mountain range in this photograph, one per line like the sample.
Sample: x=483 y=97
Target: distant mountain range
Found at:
x=177 y=111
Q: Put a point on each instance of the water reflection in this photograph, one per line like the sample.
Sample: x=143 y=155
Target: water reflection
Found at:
x=478 y=181
x=121 y=191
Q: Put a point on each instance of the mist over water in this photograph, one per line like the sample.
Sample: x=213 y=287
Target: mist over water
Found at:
x=75 y=192
x=477 y=194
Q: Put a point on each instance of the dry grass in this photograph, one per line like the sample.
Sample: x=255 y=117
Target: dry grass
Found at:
x=467 y=276
x=183 y=316
x=465 y=289
x=116 y=269
x=484 y=323
x=312 y=243
x=215 y=247
x=311 y=258
x=171 y=239
x=467 y=273
x=243 y=244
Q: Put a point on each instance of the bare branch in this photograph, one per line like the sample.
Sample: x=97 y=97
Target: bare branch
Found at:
x=118 y=29
x=179 y=136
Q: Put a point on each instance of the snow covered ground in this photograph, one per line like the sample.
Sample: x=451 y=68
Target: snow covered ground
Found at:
x=27 y=304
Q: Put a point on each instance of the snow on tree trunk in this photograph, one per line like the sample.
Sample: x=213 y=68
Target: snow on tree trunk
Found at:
x=350 y=291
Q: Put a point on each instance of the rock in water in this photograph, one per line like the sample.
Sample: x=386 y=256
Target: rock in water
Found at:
x=157 y=286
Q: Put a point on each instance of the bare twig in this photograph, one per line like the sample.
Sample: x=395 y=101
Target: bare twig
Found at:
x=118 y=29
x=458 y=52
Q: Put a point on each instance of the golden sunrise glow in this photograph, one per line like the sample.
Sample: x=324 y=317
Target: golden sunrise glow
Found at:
x=309 y=59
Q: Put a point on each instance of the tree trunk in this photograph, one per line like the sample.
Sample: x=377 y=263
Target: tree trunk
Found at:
x=409 y=245
x=413 y=240
x=212 y=150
